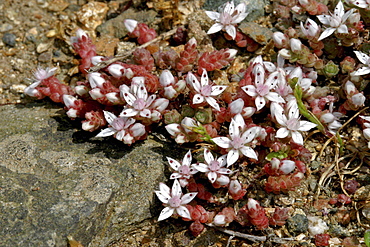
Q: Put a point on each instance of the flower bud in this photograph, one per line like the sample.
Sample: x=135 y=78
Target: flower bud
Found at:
x=69 y=101
x=350 y=88
x=166 y=78
x=96 y=59
x=295 y=45
x=287 y=166
x=219 y=220
x=128 y=73
x=280 y=39
x=72 y=113
x=358 y=99
x=223 y=180
x=116 y=70
x=95 y=93
x=252 y=204
x=130 y=25
x=285 y=53
x=236 y=106
x=95 y=80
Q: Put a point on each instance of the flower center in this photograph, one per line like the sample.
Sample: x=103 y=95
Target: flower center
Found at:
x=237 y=142
x=139 y=104
x=184 y=170
x=206 y=90
x=214 y=166
x=262 y=89
x=118 y=124
x=293 y=124
x=174 y=202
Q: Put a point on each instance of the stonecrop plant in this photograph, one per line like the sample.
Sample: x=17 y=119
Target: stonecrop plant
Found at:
x=258 y=116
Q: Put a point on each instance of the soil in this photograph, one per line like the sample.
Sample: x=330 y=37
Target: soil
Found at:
x=35 y=33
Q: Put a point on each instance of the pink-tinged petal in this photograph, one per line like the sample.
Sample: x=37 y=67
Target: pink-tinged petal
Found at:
x=215 y=28
x=162 y=196
x=176 y=189
x=239 y=18
x=306 y=125
x=128 y=112
x=212 y=102
x=250 y=90
x=217 y=90
x=249 y=152
x=275 y=97
x=364 y=58
x=173 y=163
x=223 y=142
x=197 y=99
x=212 y=176
x=362 y=71
x=204 y=79
x=201 y=167
x=327 y=32
x=175 y=175
x=324 y=19
x=146 y=113
x=183 y=212
x=192 y=80
x=185 y=199
x=109 y=116
x=297 y=137
x=342 y=29
x=213 y=15
x=187 y=159
x=282 y=132
x=166 y=213
x=231 y=30
x=225 y=171
x=232 y=156
x=106 y=132
x=260 y=102
x=208 y=156
x=173 y=129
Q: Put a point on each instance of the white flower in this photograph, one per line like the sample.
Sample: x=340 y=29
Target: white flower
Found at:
x=205 y=92
x=214 y=169
x=184 y=170
x=174 y=200
x=335 y=22
x=227 y=19
x=365 y=59
x=360 y=3
x=261 y=88
x=122 y=128
x=291 y=125
x=310 y=28
x=237 y=141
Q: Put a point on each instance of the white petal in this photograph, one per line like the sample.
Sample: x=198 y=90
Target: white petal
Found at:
x=249 y=152
x=327 y=32
x=272 y=80
x=324 y=19
x=201 y=167
x=239 y=18
x=250 y=90
x=141 y=91
x=185 y=199
x=282 y=133
x=362 y=71
x=272 y=96
x=204 y=78
x=208 y=156
x=212 y=176
x=347 y=14
x=192 y=80
x=224 y=171
x=129 y=98
x=173 y=129
x=216 y=90
x=109 y=116
x=128 y=112
x=120 y=135
x=212 y=102
x=306 y=125
x=150 y=100
x=342 y=29
x=231 y=30
x=166 y=213
x=213 y=15
x=197 y=99
x=260 y=102
x=187 y=159
x=106 y=132
x=232 y=156
x=162 y=196
x=176 y=189
x=250 y=134
x=229 y=7
x=183 y=212
x=364 y=58
x=297 y=137
x=173 y=163
x=339 y=9
x=165 y=189
x=223 y=142
x=215 y=28
x=259 y=73
x=175 y=175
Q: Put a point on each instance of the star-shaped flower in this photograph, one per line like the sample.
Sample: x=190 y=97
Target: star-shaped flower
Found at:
x=227 y=18
x=214 y=168
x=365 y=59
x=184 y=170
x=335 y=22
x=205 y=92
x=291 y=125
x=174 y=200
x=122 y=128
x=238 y=139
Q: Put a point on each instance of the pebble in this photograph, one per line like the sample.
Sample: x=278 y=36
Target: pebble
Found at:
x=45 y=57
x=9 y=39
x=5 y=27
x=297 y=224
x=17 y=88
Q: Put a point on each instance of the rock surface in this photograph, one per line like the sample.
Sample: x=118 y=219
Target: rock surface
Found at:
x=57 y=180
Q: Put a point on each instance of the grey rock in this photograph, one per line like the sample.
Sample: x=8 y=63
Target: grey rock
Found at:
x=116 y=28
x=258 y=33
x=9 y=39
x=255 y=8
x=297 y=224
x=57 y=180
